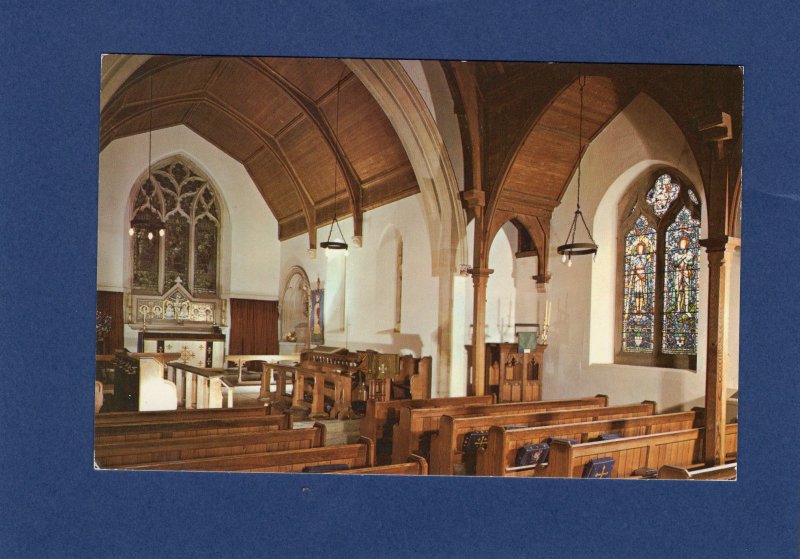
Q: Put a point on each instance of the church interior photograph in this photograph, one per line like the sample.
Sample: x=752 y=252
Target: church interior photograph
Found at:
x=418 y=267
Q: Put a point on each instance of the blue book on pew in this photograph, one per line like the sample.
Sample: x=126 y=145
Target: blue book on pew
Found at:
x=599 y=468
x=609 y=436
x=531 y=454
x=475 y=440
x=322 y=468
x=550 y=440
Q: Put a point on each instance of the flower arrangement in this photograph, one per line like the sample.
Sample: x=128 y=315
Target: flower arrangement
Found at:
x=103 y=324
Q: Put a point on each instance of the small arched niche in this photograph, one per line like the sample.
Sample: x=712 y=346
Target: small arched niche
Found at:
x=294 y=307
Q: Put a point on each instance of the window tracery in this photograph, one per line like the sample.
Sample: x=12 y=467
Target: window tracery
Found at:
x=189 y=250
x=659 y=276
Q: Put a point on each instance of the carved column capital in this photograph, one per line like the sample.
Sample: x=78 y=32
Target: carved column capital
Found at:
x=480 y=275
x=541 y=279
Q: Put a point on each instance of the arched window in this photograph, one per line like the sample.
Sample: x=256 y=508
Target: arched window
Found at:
x=189 y=250
x=659 y=247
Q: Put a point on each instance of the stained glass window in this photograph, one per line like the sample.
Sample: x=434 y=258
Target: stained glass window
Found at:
x=663 y=193
x=639 y=297
x=681 y=281
x=660 y=248
x=187 y=204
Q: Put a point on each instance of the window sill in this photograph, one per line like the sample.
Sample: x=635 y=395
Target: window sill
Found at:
x=609 y=367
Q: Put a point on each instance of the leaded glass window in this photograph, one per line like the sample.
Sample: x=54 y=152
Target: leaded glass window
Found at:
x=662 y=194
x=189 y=250
x=639 y=297
x=659 y=274
x=681 y=284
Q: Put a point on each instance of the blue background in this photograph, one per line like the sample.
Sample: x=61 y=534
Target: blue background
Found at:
x=52 y=503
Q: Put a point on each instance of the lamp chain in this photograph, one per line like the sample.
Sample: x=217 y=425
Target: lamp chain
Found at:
x=581 y=83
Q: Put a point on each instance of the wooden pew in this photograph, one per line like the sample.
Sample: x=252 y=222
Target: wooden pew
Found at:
x=724 y=472
x=416 y=466
x=116 y=418
x=359 y=455
x=499 y=456
x=380 y=417
x=164 y=429
x=446 y=445
x=120 y=455
x=677 y=448
x=416 y=424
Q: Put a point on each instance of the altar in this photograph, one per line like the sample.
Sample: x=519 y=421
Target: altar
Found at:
x=198 y=349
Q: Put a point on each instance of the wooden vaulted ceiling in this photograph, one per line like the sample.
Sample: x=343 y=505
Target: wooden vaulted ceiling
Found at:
x=278 y=117
x=519 y=125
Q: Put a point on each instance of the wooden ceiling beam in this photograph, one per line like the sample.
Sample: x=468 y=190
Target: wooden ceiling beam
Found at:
x=315 y=115
x=267 y=141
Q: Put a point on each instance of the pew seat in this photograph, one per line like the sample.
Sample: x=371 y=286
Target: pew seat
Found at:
x=415 y=466
x=722 y=472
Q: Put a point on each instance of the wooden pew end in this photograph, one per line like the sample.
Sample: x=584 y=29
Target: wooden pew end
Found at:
x=323 y=432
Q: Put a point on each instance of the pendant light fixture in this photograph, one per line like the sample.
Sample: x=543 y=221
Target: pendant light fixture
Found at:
x=570 y=248
x=329 y=244
x=148 y=222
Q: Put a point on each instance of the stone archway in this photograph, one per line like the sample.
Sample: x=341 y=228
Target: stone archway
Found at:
x=393 y=89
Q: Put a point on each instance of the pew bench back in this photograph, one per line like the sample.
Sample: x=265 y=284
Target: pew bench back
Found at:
x=117 y=418
x=677 y=448
x=446 y=445
x=416 y=425
x=380 y=417
x=359 y=455
x=164 y=429
x=116 y=455
x=499 y=456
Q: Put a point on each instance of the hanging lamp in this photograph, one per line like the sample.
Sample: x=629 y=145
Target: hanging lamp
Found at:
x=148 y=222
x=570 y=248
x=329 y=244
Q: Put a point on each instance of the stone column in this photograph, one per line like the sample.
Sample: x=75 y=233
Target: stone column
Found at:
x=720 y=252
x=480 y=279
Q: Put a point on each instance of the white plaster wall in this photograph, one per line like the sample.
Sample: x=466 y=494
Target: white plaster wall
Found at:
x=364 y=282
x=527 y=294
x=249 y=239
x=579 y=360
x=500 y=291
